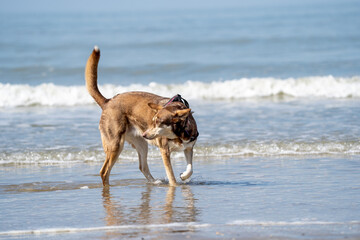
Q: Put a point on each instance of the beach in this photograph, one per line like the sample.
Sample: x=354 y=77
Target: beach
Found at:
x=275 y=91
x=235 y=198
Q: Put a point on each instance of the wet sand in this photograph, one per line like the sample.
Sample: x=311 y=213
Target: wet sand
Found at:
x=241 y=198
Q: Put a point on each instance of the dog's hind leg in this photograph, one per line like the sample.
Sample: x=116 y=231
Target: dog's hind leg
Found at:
x=112 y=154
x=189 y=167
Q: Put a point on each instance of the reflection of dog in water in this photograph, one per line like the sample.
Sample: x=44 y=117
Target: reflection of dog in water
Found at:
x=141 y=118
x=144 y=212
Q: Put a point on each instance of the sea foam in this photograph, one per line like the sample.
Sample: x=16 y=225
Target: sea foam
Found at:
x=64 y=230
x=205 y=151
x=174 y=226
x=49 y=94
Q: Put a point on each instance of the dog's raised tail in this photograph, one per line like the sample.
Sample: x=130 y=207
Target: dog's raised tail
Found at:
x=91 y=77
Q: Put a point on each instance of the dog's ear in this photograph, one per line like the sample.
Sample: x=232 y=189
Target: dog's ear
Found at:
x=155 y=107
x=182 y=114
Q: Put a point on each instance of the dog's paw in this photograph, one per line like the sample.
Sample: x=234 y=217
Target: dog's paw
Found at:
x=157 y=182
x=185 y=178
x=181 y=177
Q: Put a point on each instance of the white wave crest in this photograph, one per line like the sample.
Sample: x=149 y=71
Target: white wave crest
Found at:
x=310 y=87
x=280 y=148
x=248 y=149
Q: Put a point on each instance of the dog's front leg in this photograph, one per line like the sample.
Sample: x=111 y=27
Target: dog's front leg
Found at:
x=189 y=168
x=165 y=154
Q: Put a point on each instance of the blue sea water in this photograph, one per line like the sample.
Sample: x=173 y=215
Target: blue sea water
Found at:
x=281 y=40
x=275 y=87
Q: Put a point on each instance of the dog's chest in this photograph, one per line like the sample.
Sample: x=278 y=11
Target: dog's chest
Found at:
x=178 y=145
x=175 y=145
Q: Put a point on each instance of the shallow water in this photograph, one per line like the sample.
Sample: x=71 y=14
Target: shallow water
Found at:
x=234 y=197
x=281 y=168
x=295 y=127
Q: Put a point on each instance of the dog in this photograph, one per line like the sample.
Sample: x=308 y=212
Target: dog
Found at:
x=142 y=118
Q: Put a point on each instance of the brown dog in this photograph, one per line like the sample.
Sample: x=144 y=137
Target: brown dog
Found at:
x=141 y=118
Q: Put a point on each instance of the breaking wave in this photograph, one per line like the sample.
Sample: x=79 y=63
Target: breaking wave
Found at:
x=49 y=94
x=201 y=151
x=280 y=148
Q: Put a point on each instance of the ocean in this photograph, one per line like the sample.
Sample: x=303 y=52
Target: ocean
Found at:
x=275 y=90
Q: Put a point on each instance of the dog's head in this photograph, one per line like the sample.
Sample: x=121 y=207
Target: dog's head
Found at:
x=164 y=120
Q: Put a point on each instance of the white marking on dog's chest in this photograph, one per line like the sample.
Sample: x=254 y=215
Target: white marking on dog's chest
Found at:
x=135 y=131
x=177 y=146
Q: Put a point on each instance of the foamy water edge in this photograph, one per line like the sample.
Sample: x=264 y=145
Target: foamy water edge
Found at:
x=201 y=151
x=180 y=225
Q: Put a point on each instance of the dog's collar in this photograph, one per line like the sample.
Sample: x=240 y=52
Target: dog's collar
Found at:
x=178 y=98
